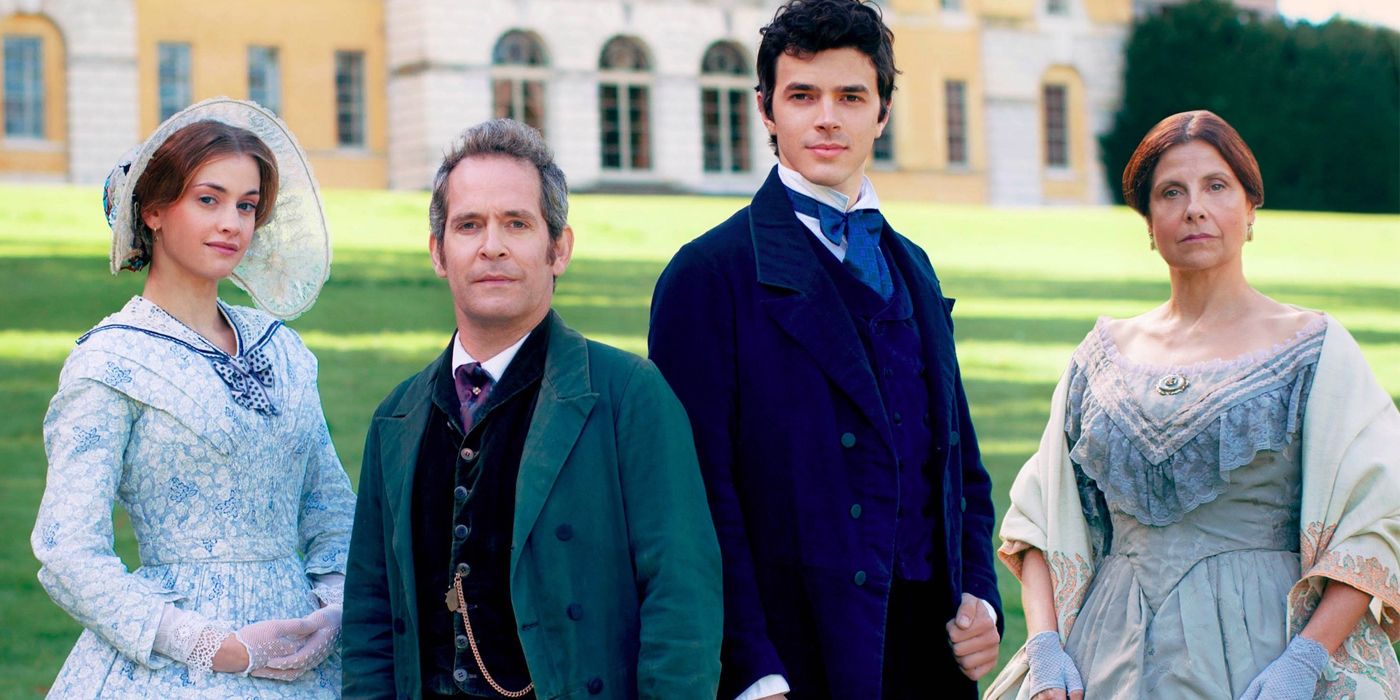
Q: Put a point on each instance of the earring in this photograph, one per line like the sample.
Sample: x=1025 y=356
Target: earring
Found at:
x=1249 y=232
x=1151 y=241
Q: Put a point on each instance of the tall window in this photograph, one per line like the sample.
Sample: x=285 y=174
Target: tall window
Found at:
x=173 y=78
x=1056 y=127
x=624 y=105
x=951 y=5
x=725 y=101
x=265 y=77
x=517 y=78
x=955 y=109
x=883 y=150
x=350 y=98
x=24 y=86
x=1057 y=7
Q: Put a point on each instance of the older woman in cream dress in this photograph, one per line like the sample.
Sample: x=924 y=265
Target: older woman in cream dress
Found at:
x=1197 y=527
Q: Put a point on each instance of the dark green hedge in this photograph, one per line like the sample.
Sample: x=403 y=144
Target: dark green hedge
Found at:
x=1319 y=105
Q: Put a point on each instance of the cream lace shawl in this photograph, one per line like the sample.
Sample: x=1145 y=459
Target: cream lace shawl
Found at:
x=1349 y=525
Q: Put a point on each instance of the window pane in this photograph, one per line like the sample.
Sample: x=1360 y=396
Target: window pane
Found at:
x=709 y=126
x=724 y=59
x=350 y=98
x=611 y=135
x=518 y=48
x=955 y=96
x=884 y=146
x=622 y=53
x=1056 y=128
x=1057 y=7
x=739 y=103
x=24 y=86
x=265 y=77
x=533 y=112
x=640 y=122
x=501 y=93
x=172 y=78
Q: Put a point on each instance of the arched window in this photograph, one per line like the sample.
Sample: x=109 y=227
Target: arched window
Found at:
x=726 y=98
x=624 y=105
x=518 y=72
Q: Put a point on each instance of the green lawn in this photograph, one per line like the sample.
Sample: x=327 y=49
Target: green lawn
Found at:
x=1029 y=283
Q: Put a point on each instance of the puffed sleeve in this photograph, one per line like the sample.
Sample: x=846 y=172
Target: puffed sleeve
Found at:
x=86 y=432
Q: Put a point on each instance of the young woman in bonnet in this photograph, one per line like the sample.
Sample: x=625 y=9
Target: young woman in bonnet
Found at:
x=203 y=421
x=1214 y=510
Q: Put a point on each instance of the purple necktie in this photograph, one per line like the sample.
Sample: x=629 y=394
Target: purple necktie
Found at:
x=473 y=386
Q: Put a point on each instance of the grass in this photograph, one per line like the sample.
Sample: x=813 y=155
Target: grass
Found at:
x=1029 y=282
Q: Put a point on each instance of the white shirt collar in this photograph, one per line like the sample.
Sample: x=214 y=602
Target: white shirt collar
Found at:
x=495 y=366
x=866 y=199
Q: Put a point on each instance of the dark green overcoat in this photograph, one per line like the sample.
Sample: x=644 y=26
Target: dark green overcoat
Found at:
x=611 y=525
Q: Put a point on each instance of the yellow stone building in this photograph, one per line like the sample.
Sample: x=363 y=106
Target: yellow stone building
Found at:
x=1000 y=101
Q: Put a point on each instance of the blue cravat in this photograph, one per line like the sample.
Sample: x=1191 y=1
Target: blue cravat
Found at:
x=861 y=230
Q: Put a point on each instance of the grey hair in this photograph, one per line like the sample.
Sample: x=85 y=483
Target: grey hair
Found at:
x=510 y=138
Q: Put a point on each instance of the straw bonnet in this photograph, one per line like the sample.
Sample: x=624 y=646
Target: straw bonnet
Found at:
x=290 y=256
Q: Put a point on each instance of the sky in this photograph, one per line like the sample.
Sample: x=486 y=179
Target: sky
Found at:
x=1383 y=12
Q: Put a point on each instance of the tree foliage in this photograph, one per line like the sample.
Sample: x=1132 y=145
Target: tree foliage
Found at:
x=1318 y=105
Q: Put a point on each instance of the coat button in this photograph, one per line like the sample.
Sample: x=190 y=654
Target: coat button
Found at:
x=461 y=642
x=460 y=493
x=595 y=686
x=848 y=440
x=468 y=454
x=398 y=625
x=859 y=578
x=460 y=675
x=564 y=532
x=461 y=532
x=464 y=569
x=575 y=612
x=898 y=419
x=952 y=438
x=855 y=511
x=964 y=504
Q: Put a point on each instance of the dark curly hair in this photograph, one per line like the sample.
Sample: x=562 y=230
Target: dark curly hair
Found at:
x=806 y=27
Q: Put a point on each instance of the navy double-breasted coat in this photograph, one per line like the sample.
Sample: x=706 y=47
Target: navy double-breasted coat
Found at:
x=797 y=450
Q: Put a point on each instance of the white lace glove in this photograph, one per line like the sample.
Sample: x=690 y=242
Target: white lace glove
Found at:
x=1050 y=667
x=270 y=639
x=1292 y=676
x=189 y=638
x=324 y=627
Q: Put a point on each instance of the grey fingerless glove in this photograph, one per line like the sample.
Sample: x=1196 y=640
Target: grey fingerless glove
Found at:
x=1293 y=675
x=1050 y=667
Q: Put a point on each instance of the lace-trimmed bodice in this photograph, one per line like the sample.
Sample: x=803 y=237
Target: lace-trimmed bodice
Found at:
x=1157 y=456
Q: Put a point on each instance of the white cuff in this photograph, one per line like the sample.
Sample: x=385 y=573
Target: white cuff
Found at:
x=768 y=685
x=990 y=610
x=329 y=588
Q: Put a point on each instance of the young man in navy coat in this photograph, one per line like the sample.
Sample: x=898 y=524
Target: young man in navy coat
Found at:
x=813 y=351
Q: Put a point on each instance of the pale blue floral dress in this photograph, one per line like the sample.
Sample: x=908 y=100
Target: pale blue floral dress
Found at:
x=1192 y=496
x=226 y=467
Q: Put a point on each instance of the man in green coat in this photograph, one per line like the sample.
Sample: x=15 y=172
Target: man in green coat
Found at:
x=531 y=518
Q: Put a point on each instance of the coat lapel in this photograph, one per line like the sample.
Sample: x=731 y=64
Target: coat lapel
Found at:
x=400 y=436
x=930 y=307
x=804 y=302
x=565 y=400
